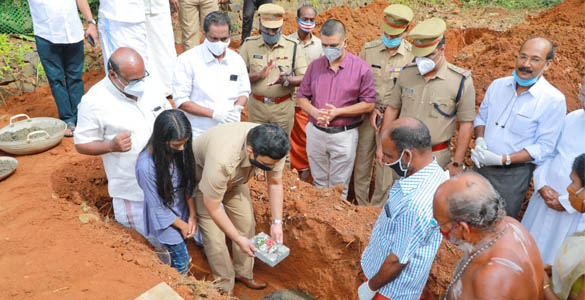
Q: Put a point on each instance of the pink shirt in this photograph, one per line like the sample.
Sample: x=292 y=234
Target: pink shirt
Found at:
x=352 y=83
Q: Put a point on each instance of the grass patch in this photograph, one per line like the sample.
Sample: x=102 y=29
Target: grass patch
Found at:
x=513 y=3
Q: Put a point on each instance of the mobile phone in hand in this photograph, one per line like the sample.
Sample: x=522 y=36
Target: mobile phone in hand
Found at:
x=90 y=41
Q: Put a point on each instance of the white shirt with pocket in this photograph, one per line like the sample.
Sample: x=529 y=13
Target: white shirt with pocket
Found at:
x=56 y=21
x=531 y=120
x=105 y=112
x=201 y=78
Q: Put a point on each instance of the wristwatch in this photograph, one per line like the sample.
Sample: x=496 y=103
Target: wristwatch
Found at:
x=459 y=164
x=275 y=221
x=91 y=22
x=508 y=160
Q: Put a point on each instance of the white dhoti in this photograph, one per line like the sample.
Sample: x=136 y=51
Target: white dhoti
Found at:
x=114 y=34
x=161 y=48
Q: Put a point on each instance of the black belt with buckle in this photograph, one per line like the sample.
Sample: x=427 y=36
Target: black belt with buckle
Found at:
x=338 y=129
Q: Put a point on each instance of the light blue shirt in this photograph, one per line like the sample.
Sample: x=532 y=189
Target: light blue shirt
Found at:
x=531 y=120
x=403 y=229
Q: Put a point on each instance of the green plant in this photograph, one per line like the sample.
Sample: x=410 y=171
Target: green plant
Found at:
x=514 y=3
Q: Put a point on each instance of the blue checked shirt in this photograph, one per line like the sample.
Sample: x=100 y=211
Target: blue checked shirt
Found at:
x=403 y=228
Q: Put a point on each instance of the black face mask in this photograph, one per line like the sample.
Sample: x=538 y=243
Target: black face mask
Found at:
x=174 y=151
x=259 y=165
x=397 y=166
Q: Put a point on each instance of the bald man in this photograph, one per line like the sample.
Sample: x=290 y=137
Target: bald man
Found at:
x=519 y=122
x=115 y=121
x=501 y=259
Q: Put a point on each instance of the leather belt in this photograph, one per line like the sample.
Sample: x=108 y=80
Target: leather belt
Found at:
x=512 y=166
x=271 y=100
x=338 y=129
x=441 y=146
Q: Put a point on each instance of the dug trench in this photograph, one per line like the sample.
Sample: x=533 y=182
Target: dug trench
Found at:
x=325 y=234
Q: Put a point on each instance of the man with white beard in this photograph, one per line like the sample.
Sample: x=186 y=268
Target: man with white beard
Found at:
x=501 y=259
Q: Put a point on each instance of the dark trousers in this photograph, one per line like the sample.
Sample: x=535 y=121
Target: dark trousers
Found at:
x=63 y=64
x=511 y=182
x=250 y=6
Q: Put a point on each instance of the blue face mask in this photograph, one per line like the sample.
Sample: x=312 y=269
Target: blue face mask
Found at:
x=393 y=43
x=525 y=82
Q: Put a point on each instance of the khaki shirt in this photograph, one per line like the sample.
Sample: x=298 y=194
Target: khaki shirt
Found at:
x=256 y=55
x=415 y=97
x=313 y=49
x=222 y=160
x=386 y=67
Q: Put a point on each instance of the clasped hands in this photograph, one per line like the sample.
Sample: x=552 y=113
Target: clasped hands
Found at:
x=324 y=116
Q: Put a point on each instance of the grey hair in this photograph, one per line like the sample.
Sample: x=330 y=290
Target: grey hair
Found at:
x=479 y=204
x=332 y=27
x=216 y=18
x=408 y=137
x=307 y=5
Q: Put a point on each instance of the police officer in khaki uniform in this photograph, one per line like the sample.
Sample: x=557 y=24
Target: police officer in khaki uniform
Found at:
x=226 y=157
x=386 y=58
x=276 y=64
x=435 y=92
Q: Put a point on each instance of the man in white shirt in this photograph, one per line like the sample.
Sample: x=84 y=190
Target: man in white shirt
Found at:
x=518 y=124
x=211 y=81
x=59 y=38
x=116 y=118
x=143 y=25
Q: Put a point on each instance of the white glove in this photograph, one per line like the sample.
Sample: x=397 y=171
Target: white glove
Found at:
x=480 y=143
x=365 y=292
x=483 y=158
x=220 y=115
x=234 y=114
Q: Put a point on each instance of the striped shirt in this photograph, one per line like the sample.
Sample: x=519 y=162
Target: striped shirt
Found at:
x=403 y=228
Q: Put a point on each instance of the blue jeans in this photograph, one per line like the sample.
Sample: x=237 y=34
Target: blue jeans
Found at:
x=63 y=64
x=179 y=257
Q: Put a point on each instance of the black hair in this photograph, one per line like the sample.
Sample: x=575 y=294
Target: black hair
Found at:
x=332 y=27
x=579 y=167
x=300 y=9
x=216 y=18
x=172 y=125
x=410 y=137
x=268 y=140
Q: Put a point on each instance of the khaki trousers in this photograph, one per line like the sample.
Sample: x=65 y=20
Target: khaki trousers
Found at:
x=331 y=157
x=191 y=16
x=238 y=207
x=282 y=113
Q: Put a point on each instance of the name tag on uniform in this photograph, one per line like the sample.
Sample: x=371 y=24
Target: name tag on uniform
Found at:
x=233 y=77
x=257 y=56
x=376 y=66
x=408 y=90
x=394 y=70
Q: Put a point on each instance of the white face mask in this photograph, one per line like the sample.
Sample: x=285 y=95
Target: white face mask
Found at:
x=135 y=89
x=216 y=48
x=425 y=65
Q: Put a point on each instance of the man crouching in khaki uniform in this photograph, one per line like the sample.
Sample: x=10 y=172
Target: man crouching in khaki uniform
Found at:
x=226 y=157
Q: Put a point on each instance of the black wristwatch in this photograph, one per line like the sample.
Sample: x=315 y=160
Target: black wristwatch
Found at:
x=457 y=165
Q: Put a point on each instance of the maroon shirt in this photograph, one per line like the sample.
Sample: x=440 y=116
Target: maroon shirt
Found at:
x=352 y=83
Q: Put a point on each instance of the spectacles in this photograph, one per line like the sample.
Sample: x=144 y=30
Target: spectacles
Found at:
x=133 y=81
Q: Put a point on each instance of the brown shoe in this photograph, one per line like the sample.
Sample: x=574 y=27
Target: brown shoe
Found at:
x=251 y=283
